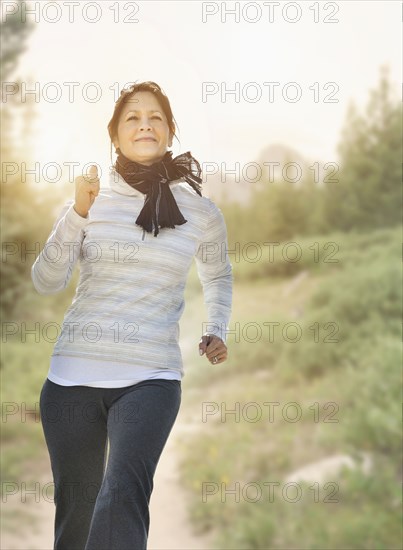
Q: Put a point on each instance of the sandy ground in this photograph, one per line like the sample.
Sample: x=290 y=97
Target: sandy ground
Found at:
x=170 y=527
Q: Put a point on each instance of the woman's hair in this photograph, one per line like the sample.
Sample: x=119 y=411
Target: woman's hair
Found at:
x=127 y=93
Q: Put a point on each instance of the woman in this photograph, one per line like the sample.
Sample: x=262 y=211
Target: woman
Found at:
x=116 y=368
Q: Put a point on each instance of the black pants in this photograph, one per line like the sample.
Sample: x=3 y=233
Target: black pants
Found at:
x=104 y=504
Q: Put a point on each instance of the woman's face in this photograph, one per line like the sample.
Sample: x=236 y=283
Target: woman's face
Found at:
x=143 y=117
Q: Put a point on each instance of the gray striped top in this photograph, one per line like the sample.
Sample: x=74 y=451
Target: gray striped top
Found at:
x=123 y=323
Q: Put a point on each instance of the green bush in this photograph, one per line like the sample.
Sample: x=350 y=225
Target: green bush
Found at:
x=359 y=373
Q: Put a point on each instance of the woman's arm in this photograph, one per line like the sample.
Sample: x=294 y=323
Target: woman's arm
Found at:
x=215 y=273
x=54 y=265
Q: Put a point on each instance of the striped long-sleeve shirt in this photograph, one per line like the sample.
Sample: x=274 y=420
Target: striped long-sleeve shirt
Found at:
x=123 y=323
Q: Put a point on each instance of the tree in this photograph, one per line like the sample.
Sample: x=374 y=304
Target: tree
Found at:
x=368 y=194
x=24 y=218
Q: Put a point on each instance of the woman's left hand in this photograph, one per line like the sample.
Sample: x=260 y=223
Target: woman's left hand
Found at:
x=214 y=348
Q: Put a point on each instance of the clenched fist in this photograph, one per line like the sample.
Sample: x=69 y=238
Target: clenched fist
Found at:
x=214 y=348
x=87 y=188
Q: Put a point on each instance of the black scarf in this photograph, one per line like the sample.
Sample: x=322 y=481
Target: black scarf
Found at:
x=160 y=208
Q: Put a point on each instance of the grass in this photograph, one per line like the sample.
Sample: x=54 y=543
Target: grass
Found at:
x=356 y=378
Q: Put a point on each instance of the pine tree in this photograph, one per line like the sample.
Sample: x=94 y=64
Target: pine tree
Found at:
x=368 y=193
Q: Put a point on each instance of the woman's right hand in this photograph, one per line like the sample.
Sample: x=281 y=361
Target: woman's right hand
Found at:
x=87 y=188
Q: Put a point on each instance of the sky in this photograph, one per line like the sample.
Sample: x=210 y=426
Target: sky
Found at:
x=172 y=45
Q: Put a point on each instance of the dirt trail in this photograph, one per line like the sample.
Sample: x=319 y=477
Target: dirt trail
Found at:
x=29 y=525
x=170 y=527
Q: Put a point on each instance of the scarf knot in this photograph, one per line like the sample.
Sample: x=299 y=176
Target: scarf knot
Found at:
x=160 y=208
